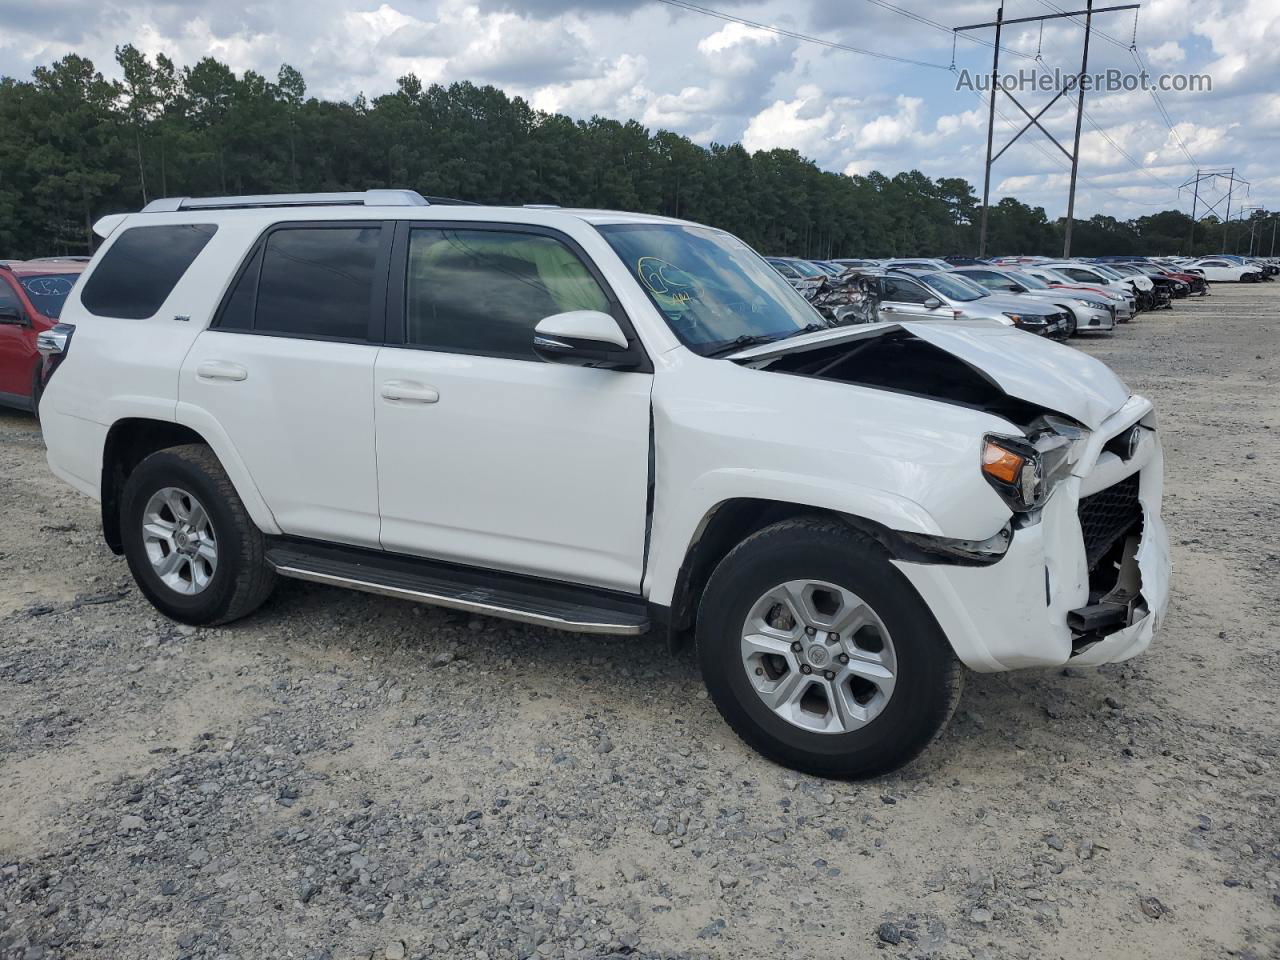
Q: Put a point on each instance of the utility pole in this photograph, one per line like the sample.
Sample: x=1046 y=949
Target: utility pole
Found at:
x=1191 y=236
x=1273 y=234
x=991 y=127
x=1034 y=121
x=1226 y=224
x=1075 y=149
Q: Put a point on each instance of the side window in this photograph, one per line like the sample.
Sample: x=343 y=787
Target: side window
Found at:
x=313 y=282
x=483 y=291
x=785 y=269
x=987 y=279
x=1084 y=275
x=140 y=270
x=904 y=291
x=9 y=299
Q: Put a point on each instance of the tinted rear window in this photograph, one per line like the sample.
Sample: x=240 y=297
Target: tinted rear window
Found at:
x=317 y=282
x=140 y=270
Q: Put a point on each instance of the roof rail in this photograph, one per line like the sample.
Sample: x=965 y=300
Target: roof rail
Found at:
x=368 y=198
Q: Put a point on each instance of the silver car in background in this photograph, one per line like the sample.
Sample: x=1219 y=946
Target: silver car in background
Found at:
x=1089 y=311
x=941 y=295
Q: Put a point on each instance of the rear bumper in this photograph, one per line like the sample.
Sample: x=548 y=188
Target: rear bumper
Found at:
x=1014 y=613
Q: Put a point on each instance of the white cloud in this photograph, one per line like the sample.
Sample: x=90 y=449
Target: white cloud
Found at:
x=637 y=59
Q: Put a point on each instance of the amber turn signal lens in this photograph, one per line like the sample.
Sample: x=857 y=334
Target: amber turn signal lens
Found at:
x=1004 y=465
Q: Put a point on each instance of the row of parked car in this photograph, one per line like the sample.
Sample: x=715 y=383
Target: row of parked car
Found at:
x=1054 y=298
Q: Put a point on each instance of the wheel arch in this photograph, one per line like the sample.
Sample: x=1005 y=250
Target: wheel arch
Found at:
x=130 y=440
x=730 y=522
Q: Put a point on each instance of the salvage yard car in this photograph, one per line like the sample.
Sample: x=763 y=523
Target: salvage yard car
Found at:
x=608 y=423
x=926 y=295
x=31 y=297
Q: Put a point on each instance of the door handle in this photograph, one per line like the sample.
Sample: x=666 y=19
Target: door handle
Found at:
x=221 y=370
x=409 y=391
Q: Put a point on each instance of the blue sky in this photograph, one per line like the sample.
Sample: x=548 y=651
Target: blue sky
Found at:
x=714 y=80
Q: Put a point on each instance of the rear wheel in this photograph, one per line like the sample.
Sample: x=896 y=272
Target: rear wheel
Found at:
x=191 y=546
x=821 y=655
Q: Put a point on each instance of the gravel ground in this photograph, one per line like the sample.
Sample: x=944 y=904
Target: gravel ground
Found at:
x=346 y=776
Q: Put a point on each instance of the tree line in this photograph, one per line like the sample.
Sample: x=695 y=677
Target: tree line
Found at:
x=75 y=145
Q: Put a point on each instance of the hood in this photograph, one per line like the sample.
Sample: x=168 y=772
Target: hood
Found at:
x=1022 y=366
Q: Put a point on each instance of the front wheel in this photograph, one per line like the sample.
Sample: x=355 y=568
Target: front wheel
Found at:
x=821 y=655
x=191 y=545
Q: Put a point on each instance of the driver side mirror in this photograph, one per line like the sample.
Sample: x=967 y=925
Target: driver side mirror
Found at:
x=11 y=314
x=932 y=303
x=585 y=338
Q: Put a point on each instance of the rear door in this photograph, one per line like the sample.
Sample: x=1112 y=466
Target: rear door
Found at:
x=488 y=455
x=286 y=372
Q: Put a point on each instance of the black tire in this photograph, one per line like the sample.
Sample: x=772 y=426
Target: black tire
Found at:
x=36 y=390
x=242 y=579
x=1071 y=326
x=929 y=677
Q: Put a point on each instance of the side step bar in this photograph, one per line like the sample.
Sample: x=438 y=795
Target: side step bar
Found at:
x=545 y=603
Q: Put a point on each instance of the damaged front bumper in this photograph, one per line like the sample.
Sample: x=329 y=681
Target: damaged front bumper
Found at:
x=1082 y=586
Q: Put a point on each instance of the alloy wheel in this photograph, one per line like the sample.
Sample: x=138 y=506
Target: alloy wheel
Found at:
x=819 y=656
x=180 y=541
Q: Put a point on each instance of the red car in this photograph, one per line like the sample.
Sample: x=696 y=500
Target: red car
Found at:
x=31 y=298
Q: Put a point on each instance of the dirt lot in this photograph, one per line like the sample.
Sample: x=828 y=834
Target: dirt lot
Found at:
x=349 y=776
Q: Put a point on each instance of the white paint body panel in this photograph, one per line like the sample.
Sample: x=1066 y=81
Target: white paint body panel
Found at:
x=536 y=468
x=301 y=422
x=544 y=468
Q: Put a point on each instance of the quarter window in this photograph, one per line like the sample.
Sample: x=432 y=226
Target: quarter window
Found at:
x=140 y=270
x=483 y=291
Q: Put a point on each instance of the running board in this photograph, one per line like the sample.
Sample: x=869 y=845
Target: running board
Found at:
x=545 y=603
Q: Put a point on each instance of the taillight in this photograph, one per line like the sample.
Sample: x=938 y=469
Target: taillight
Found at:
x=53 y=345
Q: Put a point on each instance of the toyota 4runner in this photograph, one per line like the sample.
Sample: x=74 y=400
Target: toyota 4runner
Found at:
x=607 y=423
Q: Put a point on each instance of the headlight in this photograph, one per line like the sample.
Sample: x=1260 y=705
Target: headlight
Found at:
x=1018 y=319
x=1025 y=472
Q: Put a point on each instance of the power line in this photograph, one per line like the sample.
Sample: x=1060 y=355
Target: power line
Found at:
x=1132 y=49
x=1039 y=61
x=1105 y=36
x=1164 y=112
x=918 y=18
x=793 y=35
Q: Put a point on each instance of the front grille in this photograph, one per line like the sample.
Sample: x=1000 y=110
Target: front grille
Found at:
x=1108 y=515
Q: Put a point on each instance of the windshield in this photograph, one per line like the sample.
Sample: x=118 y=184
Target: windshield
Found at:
x=1027 y=280
x=48 y=291
x=710 y=286
x=1107 y=272
x=953 y=287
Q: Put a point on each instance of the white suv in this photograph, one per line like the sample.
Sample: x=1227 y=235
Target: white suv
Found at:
x=609 y=423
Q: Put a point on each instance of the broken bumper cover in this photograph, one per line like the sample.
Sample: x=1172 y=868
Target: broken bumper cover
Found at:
x=1018 y=611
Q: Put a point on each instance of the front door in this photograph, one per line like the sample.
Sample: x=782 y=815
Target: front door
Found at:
x=488 y=455
x=902 y=298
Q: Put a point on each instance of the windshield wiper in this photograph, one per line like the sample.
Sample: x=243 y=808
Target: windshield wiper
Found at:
x=740 y=343
x=807 y=328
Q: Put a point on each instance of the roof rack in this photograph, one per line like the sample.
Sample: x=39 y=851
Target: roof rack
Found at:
x=367 y=198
